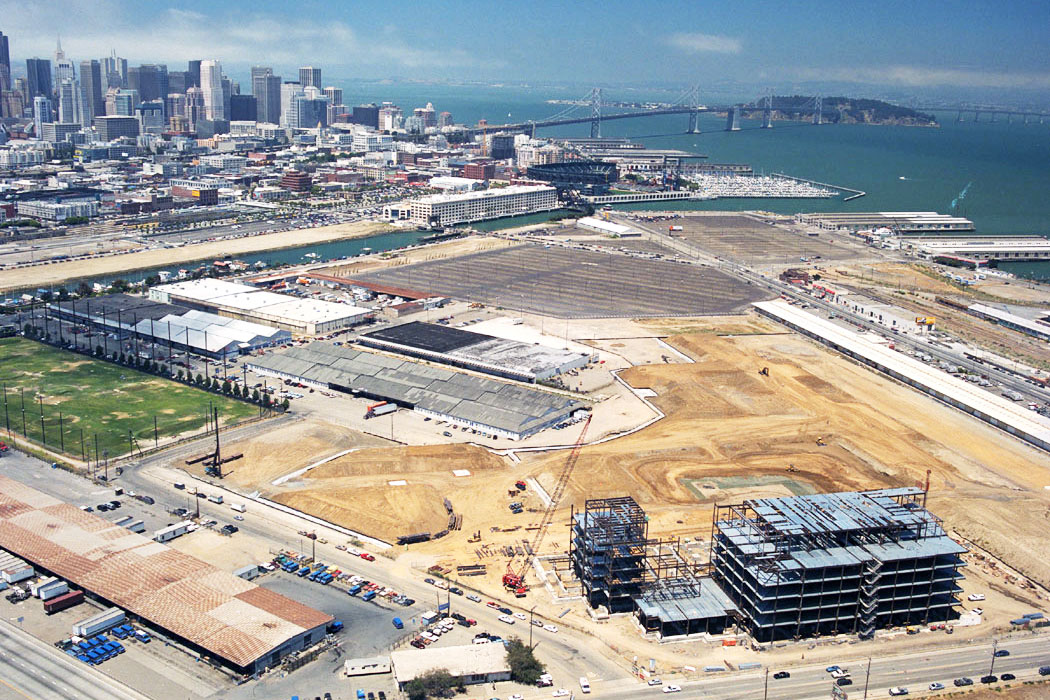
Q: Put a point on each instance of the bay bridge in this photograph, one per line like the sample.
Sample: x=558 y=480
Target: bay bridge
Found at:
x=592 y=110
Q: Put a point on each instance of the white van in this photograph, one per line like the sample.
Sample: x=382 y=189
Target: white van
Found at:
x=239 y=507
x=585 y=685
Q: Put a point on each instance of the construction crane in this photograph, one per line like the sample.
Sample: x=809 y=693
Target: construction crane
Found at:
x=514 y=579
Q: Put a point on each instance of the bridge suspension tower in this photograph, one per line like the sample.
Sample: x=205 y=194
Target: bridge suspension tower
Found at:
x=596 y=113
x=818 y=108
x=767 y=112
x=693 y=102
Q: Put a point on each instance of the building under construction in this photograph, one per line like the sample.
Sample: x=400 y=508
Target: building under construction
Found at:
x=835 y=563
x=622 y=569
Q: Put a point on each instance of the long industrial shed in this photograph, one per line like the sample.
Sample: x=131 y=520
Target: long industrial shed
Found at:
x=234 y=622
x=1005 y=415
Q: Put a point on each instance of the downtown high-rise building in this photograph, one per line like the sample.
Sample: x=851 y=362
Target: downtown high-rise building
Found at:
x=41 y=113
x=114 y=71
x=5 y=63
x=194 y=106
x=150 y=81
x=38 y=78
x=266 y=87
x=68 y=102
x=289 y=92
x=64 y=69
x=193 y=71
x=92 y=103
x=310 y=77
x=211 y=87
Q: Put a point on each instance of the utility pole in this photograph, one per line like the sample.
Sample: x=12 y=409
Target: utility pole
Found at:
x=867 y=678
x=40 y=403
x=765 y=689
x=532 y=613
x=995 y=648
x=22 y=395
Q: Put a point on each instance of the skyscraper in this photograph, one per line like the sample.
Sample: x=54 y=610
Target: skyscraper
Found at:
x=267 y=90
x=194 y=70
x=38 y=78
x=115 y=71
x=68 y=102
x=211 y=86
x=243 y=108
x=150 y=80
x=194 y=105
x=289 y=91
x=5 y=63
x=41 y=112
x=64 y=69
x=334 y=95
x=310 y=77
x=91 y=102
x=178 y=81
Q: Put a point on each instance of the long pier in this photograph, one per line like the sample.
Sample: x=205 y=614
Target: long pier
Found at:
x=856 y=194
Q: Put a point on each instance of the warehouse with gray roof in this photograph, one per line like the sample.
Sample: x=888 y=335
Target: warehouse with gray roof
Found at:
x=489 y=406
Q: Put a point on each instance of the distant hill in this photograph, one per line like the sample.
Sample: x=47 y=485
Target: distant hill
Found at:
x=847 y=110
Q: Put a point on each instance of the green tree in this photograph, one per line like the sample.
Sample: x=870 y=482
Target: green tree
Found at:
x=153 y=280
x=200 y=379
x=99 y=352
x=432 y=684
x=122 y=359
x=226 y=386
x=84 y=289
x=63 y=294
x=255 y=395
x=284 y=405
x=119 y=285
x=180 y=374
x=524 y=666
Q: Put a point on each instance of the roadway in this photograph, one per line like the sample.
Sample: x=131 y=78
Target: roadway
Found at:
x=33 y=670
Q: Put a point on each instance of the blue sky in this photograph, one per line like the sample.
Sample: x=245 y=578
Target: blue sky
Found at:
x=911 y=45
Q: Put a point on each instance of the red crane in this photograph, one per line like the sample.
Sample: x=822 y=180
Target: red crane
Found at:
x=514 y=579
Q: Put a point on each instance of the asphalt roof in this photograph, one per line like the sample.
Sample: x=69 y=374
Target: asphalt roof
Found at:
x=711 y=602
x=427 y=336
x=227 y=616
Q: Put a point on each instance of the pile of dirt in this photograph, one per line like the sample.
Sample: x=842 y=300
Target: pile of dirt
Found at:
x=380 y=511
x=421 y=459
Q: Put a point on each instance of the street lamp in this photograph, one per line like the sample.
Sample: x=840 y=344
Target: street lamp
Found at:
x=531 y=625
x=995 y=648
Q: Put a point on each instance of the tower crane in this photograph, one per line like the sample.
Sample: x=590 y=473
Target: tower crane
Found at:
x=514 y=578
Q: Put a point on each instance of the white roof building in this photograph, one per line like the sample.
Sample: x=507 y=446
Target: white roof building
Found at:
x=473 y=663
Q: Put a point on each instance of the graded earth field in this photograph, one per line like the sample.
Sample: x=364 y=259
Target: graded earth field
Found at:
x=86 y=398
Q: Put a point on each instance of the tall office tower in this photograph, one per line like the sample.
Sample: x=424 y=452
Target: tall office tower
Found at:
x=334 y=95
x=121 y=103
x=175 y=105
x=310 y=109
x=115 y=71
x=91 y=102
x=151 y=81
x=194 y=106
x=38 y=78
x=178 y=81
x=243 y=108
x=227 y=94
x=41 y=113
x=5 y=63
x=194 y=71
x=211 y=87
x=289 y=91
x=69 y=102
x=64 y=69
x=310 y=77
x=266 y=87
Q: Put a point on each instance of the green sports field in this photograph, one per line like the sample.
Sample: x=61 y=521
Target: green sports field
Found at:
x=83 y=398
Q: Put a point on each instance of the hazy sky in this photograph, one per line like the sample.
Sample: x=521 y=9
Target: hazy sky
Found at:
x=910 y=44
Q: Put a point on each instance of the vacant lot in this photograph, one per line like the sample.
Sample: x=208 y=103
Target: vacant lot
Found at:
x=82 y=399
x=745 y=240
x=576 y=283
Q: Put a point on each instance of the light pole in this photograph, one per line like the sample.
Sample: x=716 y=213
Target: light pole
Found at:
x=531 y=615
x=867 y=677
x=995 y=648
x=765 y=689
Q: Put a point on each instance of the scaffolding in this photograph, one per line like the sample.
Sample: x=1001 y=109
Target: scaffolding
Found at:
x=608 y=549
x=830 y=563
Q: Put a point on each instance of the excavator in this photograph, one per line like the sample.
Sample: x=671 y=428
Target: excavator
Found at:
x=514 y=578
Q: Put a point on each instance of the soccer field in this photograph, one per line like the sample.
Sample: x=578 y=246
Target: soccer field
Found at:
x=83 y=399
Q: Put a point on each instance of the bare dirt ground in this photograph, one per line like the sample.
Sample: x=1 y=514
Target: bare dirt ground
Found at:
x=42 y=276
x=437 y=251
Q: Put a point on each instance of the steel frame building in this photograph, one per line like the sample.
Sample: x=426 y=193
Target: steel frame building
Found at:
x=835 y=563
x=610 y=538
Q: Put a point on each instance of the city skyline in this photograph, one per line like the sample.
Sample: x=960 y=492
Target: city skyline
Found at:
x=953 y=46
